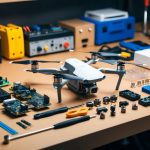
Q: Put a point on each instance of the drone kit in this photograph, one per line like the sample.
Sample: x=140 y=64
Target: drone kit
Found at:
x=12 y=41
x=83 y=31
x=111 y=25
x=46 y=39
x=33 y=98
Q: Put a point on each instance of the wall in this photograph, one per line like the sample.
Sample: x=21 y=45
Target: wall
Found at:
x=49 y=11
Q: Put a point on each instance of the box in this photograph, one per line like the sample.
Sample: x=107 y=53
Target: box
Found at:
x=142 y=57
x=83 y=31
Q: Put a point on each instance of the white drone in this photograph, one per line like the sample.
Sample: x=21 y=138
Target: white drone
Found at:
x=79 y=76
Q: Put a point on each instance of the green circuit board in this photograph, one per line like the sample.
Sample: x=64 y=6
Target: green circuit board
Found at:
x=4 y=81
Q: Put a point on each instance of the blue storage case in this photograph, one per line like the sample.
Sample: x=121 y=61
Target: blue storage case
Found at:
x=111 y=31
x=146 y=89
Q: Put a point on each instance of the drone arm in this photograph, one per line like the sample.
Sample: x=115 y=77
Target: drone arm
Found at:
x=120 y=73
x=92 y=61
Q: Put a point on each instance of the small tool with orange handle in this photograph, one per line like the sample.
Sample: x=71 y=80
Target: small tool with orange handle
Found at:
x=77 y=112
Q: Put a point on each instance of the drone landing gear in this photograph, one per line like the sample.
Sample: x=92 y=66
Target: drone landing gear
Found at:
x=58 y=84
x=120 y=71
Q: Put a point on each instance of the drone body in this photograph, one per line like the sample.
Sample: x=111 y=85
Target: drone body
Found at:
x=89 y=75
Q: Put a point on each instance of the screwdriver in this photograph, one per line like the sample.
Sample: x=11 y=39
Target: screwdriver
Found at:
x=59 y=125
x=146 y=4
x=54 y=112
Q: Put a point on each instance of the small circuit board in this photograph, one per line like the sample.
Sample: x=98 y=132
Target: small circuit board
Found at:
x=145 y=101
x=132 y=96
x=4 y=81
x=15 y=107
x=4 y=95
x=33 y=98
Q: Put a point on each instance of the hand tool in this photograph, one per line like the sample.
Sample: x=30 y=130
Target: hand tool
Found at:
x=54 y=112
x=77 y=112
x=146 y=4
x=60 y=125
x=7 y=128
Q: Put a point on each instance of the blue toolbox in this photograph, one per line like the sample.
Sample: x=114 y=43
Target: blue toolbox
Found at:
x=113 y=30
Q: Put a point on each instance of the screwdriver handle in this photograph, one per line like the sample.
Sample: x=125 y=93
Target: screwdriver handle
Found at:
x=50 y=113
x=146 y=3
x=71 y=122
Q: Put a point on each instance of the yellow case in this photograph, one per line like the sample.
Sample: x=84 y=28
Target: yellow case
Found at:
x=12 y=41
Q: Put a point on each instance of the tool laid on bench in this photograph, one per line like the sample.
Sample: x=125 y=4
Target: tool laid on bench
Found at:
x=60 y=125
x=7 y=128
x=54 y=112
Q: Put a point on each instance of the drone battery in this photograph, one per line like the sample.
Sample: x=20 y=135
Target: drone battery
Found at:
x=83 y=30
x=110 y=30
x=45 y=39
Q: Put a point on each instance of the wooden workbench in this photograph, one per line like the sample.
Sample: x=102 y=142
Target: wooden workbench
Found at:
x=87 y=135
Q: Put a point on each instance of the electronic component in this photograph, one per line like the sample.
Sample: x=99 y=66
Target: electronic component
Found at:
x=113 y=110
x=123 y=103
x=134 y=106
x=21 y=125
x=107 y=14
x=101 y=109
x=12 y=41
x=102 y=115
x=4 y=81
x=145 y=101
x=7 y=128
x=123 y=109
x=142 y=57
x=97 y=102
x=111 y=29
x=132 y=96
x=33 y=98
x=46 y=39
x=60 y=125
x=106 y=100
x=146 y=89
x=113 y=99
x=15 y=107
x=90 y=104
x=26 y=122
x=134 y=45
x=4 y=95
x=83 y=31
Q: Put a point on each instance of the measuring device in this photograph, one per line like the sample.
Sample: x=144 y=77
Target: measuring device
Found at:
x=60 y=125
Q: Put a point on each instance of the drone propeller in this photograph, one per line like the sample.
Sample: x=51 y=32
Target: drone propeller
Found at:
x=58 y=73
x=51 y=71
x=27 y=62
